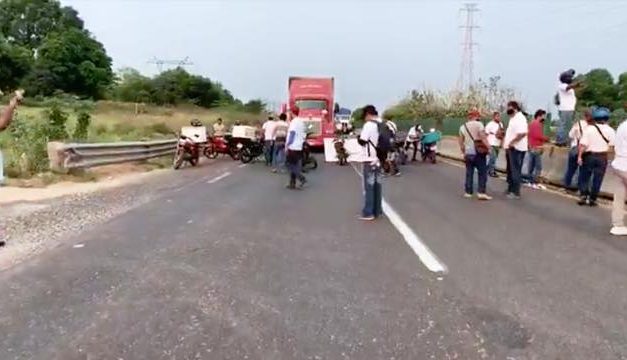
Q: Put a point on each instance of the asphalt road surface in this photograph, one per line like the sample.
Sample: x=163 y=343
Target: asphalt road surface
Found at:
x=227 y=264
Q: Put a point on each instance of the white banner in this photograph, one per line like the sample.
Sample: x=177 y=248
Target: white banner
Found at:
x=352 y=148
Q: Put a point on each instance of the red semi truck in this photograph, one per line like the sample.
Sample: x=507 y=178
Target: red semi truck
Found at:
x=314 y=98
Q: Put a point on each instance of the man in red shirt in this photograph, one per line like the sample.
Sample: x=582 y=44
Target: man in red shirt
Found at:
x=536 y=148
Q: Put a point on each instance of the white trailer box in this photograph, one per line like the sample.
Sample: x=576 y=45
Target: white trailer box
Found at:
x=243 y=131
x=197 y=133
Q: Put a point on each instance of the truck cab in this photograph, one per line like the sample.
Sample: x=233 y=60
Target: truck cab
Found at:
x=314 y=99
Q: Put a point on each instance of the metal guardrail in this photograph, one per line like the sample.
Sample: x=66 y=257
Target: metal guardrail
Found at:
x=64 y=157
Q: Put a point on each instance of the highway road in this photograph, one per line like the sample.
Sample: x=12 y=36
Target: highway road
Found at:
x=222 y=262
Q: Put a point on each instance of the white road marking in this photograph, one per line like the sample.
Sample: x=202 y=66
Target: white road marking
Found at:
x=241 y=166
x=218 y=178
x=426 y=256
x=78 y=246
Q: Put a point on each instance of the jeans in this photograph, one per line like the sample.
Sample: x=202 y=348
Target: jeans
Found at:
x=564 y=124
x=278 y=158
x=514 y=170
x=534 y=165
x=591 y=174
x=414 y=144
x=294 y=160
x=572 y=167
x=268 y=146
x=478 y=162
x=372 y=191
x=618 y=205
x=494 y=155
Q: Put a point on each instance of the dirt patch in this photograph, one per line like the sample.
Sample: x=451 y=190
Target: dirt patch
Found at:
x=106 y=176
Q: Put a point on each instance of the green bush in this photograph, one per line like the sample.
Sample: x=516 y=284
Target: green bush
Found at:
x=57 y=120
x=27 y=148
x=82 y=126
x=160 y=128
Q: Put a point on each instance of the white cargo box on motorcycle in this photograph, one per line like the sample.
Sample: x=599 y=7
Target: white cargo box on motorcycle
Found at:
x=198 y=134
x=244 y=132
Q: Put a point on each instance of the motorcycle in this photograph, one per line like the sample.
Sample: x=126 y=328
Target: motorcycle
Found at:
x=186 y=150
x=217 y=145
x=340 y=150
x=309 y=162
x=429 y=151
x=250 y=150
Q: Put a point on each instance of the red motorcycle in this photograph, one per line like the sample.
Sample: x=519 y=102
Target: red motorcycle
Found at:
x=217 y=145
x=186 y=150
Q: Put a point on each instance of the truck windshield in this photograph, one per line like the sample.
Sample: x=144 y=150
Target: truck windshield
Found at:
x=311 y=104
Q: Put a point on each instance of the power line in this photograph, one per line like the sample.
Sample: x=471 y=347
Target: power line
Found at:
x=178 y=63
x=466 y=74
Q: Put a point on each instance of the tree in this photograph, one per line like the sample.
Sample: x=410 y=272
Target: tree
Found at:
x=622 y=89
x=134 y=87
x=598 y=89
x=255 y=106
x=27 y=23
x=15 y=63
x=73 y=62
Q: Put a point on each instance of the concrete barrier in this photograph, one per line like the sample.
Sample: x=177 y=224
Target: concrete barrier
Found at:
x=554 y=163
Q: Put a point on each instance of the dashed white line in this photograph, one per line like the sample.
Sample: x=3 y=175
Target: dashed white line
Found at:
x=218 y=178
x=241 y=165
x=426 y=256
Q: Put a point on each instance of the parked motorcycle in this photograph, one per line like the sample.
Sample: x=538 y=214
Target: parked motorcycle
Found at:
x=340 y=151
x=186 y=150
x=217 y=145
x=309 y=161
x=250 y=150
x=429 y=147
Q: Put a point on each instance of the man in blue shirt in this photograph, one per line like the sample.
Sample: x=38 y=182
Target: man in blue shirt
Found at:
x=296 y=136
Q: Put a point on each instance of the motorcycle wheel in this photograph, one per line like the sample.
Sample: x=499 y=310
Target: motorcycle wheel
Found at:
x=235 y=154
x=433 y=159
x=210 y=152
x=178 y=159
x=245 y=156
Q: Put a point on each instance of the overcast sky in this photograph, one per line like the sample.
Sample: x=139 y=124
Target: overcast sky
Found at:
x=376 y=50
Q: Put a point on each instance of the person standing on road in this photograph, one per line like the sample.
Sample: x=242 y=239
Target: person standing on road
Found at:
x=566 y=100
x=575 y=136
x=268 y=139
x=515 y=145
x=619 y=166
x=371 y=165
x=536 y=149
x=595 y=143
x=391 y=165
x=413 y=138
x=280 y=137
x=218 y=128
x=474 y=146
x=495 y=132
x=296 y=136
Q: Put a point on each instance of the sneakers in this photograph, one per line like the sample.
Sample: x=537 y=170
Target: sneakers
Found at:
x=484 y=197
x=619 y=230
x=593 y=203
x=582 y=201
x=468 y=196
x=398 y=173
x=512 y=196
x=366 y=218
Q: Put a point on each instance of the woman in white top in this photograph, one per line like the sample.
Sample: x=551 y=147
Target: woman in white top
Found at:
x=594 y=145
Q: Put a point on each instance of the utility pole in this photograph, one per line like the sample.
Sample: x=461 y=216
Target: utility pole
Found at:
x=178 y=63
x=466 y=75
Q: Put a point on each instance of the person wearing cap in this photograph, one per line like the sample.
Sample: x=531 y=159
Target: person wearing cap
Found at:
x=280 y=137
x=371 y=165
x=268 y=139
x=536 y=149
x=596 y=141
x=566 y=100
x=413 y=138
x=515 y=144
x=469 y=133
x=619 y=166
x=296 y=136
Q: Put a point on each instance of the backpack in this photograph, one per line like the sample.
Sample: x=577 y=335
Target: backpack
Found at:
x=385 y=141
x=556 y=99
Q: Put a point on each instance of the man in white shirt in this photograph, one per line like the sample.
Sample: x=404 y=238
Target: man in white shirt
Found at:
x=619 y=166
x=268 y=139
x=566 y=103
x=495 y=132
x=515 y=145
x=296 y=136
x=413 y=138
x=369 y=140
x=596 y=141
x=280 y=138
x=219 y=128
x=575 y=136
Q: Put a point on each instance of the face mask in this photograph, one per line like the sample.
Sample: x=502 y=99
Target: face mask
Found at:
x=510 y=111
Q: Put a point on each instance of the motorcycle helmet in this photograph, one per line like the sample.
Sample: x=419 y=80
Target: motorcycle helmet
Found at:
x=195 y=122
x=567 y=76
x=432 y=130
x=600 y=114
